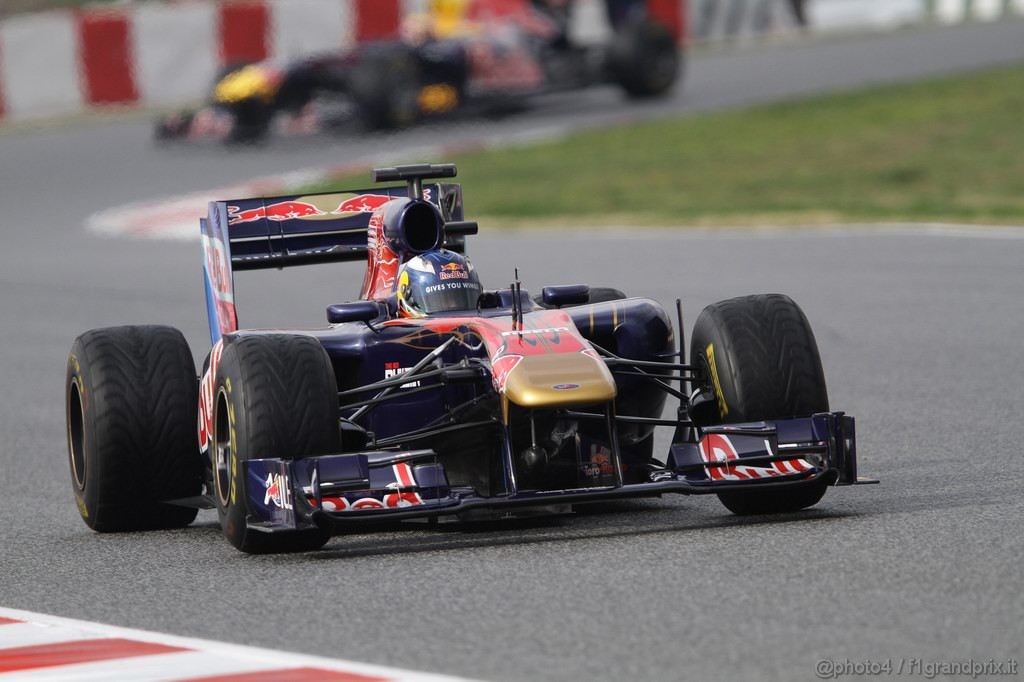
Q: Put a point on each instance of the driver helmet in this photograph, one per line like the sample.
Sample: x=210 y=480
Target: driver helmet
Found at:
x=437 y=281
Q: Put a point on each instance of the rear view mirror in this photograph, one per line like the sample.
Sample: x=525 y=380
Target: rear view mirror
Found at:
x=568 y=294
x=356 y=311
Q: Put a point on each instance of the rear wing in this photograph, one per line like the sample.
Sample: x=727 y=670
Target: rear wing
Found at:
x=278 y=232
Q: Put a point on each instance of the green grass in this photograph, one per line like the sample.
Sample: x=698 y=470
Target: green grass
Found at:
x=944 y=150
x=11 y=7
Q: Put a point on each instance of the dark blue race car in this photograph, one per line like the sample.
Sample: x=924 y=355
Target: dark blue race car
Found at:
x=486 y=67
x=431 y=397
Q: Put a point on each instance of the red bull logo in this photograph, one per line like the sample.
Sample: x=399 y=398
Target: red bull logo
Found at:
x=284 y=210
x=278 y=491
x=235 y=216
x=453 y=271
x=364 y=203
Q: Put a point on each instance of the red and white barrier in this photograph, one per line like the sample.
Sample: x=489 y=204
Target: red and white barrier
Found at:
x=739 y=20
x=164 y=54
x=158 y=53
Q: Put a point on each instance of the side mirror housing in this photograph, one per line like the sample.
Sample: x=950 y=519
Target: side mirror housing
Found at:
x=568 y=294
x=356 y=311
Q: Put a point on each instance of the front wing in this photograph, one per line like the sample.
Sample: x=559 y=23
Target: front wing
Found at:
x=345 y=491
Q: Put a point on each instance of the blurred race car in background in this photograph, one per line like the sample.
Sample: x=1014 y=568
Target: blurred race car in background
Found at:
x=481 y=56
x=433 y=398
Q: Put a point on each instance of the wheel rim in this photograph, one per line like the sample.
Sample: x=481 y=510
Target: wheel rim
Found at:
x=76 y=434
x=222 y=450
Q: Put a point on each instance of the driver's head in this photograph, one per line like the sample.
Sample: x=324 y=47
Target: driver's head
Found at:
x=437 y=281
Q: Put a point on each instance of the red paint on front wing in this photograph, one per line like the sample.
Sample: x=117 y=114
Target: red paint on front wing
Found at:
x=716 y=447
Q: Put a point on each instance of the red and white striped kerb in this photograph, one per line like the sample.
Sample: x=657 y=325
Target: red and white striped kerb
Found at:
x=39 y=647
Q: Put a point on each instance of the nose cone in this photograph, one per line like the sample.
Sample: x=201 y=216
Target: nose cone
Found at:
x=560 y=380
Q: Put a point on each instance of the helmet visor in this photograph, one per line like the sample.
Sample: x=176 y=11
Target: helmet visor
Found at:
x=448 y=295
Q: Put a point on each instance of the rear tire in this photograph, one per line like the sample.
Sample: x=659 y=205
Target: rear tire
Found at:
x=251 y=121
x=644 y=59
x=131 y=397
x=763 y=353
x=275 y=396
x=385 y=88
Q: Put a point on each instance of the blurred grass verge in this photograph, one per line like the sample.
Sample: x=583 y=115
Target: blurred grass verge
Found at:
x=12 y=7
x=949 y=150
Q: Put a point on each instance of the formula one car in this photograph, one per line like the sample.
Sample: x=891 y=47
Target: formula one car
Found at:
x=431 y=397
x=439 y=66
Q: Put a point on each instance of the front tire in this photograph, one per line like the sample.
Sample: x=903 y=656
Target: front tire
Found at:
x=173 y=126
x=275 y=397
x=130 y=399
x=762 y=361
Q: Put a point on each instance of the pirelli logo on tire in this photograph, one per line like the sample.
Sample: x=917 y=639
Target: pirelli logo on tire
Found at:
x=723 y=407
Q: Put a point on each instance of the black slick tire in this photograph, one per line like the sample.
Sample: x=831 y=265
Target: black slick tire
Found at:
x=131 y=395
x=644 y=59
x=762 y=361
x=385 y=89
x=275 y=396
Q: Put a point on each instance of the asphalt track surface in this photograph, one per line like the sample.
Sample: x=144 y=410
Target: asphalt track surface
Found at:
x=919 y=332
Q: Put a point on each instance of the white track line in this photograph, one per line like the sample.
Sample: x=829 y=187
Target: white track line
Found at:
x=160 y=668
x=178 y=217
x=34 y=634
